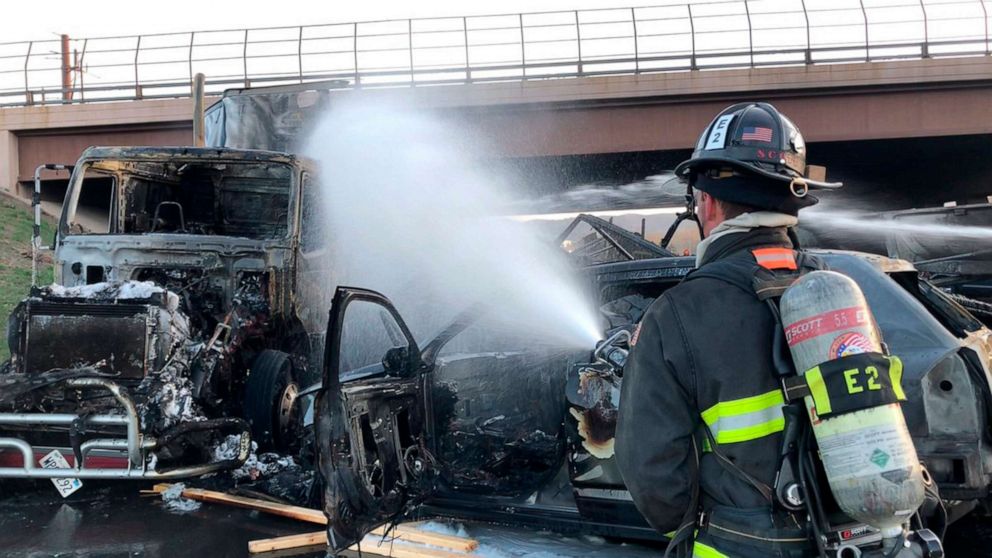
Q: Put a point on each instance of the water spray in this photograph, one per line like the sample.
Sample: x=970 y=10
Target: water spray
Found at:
x=413 y=212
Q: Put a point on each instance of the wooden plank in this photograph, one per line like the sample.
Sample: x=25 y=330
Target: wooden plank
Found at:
x=370 y=544
x=402 y=532
x=315 y=550
x=289 y=541
x=393 y=549
x=412 y=534
x=284 y=510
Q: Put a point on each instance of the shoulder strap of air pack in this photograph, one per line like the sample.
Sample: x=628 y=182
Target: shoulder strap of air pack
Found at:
x=765 y=273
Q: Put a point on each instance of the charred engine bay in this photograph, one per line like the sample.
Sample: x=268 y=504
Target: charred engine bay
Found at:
x=506 y=424
x=181 y=355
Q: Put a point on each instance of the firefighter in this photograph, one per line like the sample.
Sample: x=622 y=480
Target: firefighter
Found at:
x=700 y=421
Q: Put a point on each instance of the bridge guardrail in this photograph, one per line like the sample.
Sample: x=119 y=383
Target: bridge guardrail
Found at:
x=542 y=45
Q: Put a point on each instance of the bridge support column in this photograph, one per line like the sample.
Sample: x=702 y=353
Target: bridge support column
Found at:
x=8 y=162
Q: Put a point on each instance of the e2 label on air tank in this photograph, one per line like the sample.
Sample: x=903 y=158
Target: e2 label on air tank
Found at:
x=55 y=460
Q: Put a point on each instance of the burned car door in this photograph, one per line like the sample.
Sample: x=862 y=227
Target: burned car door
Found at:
x=370 y=417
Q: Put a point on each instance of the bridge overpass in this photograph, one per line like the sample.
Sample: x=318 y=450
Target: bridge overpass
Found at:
x=582 y=116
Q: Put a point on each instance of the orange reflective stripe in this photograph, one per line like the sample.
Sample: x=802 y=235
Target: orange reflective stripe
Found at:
x=775 y=258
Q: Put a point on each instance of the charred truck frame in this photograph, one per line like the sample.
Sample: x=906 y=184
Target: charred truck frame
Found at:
x=180 y=320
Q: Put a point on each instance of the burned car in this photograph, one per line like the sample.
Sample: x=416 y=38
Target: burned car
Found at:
x=518 y=434
x=953 y=253
x=179 y=325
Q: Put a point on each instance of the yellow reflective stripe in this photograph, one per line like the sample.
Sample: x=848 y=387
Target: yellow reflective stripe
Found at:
x=742 y=420
x=700 y=550
x=749 y=433
x=818 y=389
x=895 y=376
x=743 y=406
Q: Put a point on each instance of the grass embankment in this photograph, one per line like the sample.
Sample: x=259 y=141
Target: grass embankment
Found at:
x=15 y=259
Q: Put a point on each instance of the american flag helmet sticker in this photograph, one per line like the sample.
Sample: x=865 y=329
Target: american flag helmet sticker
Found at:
x=757 y=133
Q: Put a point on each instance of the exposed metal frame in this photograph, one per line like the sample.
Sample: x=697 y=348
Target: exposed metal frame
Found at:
x=135 y=445
x=36 y=242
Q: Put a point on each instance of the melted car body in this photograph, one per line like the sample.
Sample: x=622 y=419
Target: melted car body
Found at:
x=550 y=416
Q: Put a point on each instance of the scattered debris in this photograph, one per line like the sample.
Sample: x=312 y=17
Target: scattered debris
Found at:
x=429 y=544
x=256 y=466
x=174 y=501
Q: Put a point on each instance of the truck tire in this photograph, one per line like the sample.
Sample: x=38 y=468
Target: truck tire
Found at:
x=270 y=395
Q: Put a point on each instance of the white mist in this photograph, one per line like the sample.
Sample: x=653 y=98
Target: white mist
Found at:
x=411 y=213
x=864 y=223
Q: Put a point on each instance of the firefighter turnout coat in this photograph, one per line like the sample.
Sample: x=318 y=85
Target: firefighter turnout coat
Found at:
x=702 y=358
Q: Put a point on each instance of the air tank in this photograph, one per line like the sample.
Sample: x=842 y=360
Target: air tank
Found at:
x=870 y=460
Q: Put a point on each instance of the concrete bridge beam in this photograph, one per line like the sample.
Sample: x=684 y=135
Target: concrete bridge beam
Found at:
x=580 y=116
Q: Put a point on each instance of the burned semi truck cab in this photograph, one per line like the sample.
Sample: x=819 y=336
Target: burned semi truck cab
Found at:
x=185 y=313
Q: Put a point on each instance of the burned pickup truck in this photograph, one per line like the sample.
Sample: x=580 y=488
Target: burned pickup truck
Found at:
x=179 y=326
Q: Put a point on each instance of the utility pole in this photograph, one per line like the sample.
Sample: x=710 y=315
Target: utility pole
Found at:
x=199 y=91
x=67 y=68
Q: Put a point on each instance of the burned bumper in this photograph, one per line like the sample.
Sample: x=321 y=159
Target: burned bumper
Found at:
x=134 y=447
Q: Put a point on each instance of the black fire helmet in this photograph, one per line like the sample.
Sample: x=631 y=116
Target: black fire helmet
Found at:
x=752 y=154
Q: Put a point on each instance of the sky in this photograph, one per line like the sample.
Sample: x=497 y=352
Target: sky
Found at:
x=98 y=18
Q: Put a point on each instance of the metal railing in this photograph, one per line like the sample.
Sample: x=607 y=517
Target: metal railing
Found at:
x=414 y=52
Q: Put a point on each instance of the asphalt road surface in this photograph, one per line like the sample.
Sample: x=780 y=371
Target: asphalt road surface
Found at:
x=113 y=521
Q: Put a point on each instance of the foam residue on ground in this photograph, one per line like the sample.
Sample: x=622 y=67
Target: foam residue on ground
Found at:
x=173 y=500
x=508 y=542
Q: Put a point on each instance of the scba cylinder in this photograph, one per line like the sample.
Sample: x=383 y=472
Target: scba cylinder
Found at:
x=869 y=457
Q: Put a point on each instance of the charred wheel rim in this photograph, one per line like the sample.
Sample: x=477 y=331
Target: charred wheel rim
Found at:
x=287 y=402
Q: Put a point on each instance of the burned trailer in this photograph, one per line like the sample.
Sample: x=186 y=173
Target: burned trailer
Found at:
x=183 y=317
